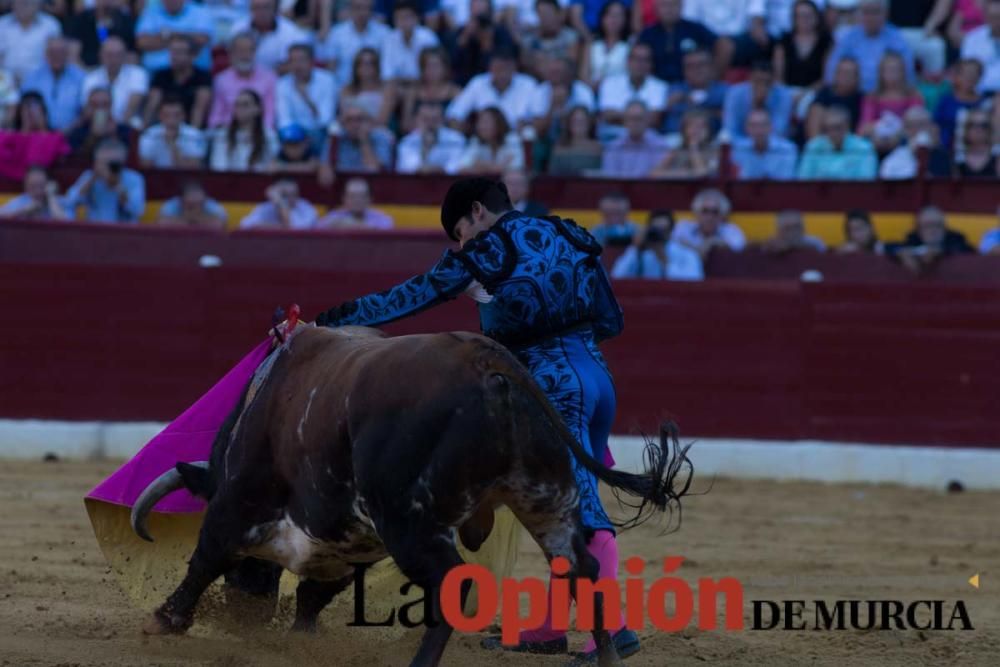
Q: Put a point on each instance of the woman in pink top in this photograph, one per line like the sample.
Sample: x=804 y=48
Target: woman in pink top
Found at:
x=958 y=16
x=882 y=110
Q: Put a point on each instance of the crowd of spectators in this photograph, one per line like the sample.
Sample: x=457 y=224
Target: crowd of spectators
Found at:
x=765 y=89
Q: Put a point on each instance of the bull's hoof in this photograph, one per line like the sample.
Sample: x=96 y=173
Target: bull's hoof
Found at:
x=161 y=623
x=624 y=643
x=304 y=627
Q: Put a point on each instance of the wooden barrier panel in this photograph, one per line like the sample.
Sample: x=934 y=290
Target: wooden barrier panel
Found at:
x=891 y=363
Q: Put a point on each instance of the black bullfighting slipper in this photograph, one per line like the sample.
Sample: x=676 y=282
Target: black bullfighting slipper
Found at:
x=626 y=643
x=550 y=647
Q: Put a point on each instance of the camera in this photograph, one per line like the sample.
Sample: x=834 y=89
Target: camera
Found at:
x=654 y=237
x=116 y=166
x=484 y=21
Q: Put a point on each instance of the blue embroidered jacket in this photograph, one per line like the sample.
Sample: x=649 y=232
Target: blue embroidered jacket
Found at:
x=543 y=273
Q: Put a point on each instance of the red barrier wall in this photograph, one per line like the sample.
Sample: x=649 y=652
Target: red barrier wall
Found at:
x=909 y=363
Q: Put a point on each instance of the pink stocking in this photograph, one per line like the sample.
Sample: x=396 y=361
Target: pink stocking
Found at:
x=604 y=548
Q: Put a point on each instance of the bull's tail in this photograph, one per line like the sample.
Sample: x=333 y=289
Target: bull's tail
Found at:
x=658 y=487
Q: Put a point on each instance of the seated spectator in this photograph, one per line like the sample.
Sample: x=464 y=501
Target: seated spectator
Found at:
x=963 y=96
x=741 y=25
x=435 y=85
x=671 y=37
x=963 y=16
x=23 y=34
x=790 y=234
x=653 y=256
x=128 y=83
x=8 y=97
x=274 y=34
x=845 y=92
x=761 y=155
x=519 y=190
x=868 y=42
x=608 y=52
x=638 y=83
x=296 y=151
x=402 y=48
x=356 y=211
x=342 y=43
x=760 y=92
x=883 y=109
x=168 y=18
x=243 y=73
x=551 y=39
x=493 y=148
x=307 y=95
x=172 y=143
x=710 y=228
x=361 y=146
x=479 y=40
x=95 y=124
x=699 y=90
x=980 y=44
x=799 y=55
x=859 y=235
x=615 y=228
x=284 y=209
x=578 y=149
x=183 y=81
x=842 y=16
x=91 y=27
x=431 y=147
x=697 y=154
x=837 y=154
x=246 y=144
x=928 y=48
x=919 y=132
x=40 y=200
x=637 y=153
x=976 y=148
x=928 y=242
x=501 y=87
x=193 y=208
x=109 y=191
x=990 y=243
x=367 y=89
x=553 y=97
x=30 y=142
x=59 y=82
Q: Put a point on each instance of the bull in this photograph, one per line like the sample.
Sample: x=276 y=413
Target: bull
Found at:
x=349 y=447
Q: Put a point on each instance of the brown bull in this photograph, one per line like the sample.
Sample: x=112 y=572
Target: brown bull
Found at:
x=355 y=447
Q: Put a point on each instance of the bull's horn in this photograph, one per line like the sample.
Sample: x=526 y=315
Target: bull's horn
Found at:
x=168 y=482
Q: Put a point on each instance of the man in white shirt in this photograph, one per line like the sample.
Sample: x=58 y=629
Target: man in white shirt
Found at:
x=344 y=41
x=400 y=57
x=741 y=24
x=284 y=209
x=502 y=86
x=307 y=95
x=275 y=34
x=23 y=34
x=172 y=143
x=558 y=94
x=128 y=83
x=983 y=44
x=618 y=91
x=431 y=146
x=710 y=229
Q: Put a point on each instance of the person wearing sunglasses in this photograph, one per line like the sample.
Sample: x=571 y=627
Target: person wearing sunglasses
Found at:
x=711 y=228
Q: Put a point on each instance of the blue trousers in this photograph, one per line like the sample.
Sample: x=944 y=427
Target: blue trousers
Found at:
x=573 y=374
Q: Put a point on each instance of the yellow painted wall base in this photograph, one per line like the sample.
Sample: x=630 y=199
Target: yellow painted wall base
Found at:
x=756 y=226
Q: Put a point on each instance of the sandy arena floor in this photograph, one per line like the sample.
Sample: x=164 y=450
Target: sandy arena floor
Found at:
x=59 y=604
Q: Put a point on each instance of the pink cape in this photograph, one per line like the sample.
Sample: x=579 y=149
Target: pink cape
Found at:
x=187 y=438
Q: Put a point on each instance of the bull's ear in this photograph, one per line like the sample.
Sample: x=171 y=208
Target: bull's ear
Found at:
x=196 y=479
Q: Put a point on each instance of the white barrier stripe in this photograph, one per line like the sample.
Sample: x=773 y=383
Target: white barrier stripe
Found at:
x=931 y=467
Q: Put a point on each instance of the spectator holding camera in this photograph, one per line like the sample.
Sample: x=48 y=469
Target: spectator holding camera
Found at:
x=284 y=209
x=40 y=200
x=653 y=256
x=478 y=40
x=109 y=192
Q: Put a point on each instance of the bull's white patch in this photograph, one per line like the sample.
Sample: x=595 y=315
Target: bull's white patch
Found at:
x=286 y=543
x=305 y=413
